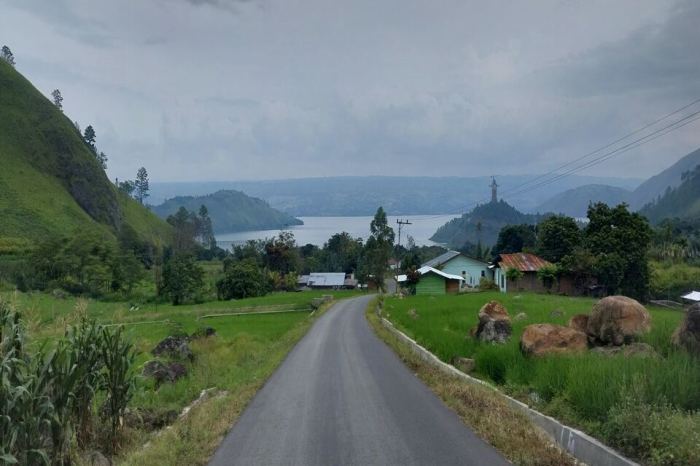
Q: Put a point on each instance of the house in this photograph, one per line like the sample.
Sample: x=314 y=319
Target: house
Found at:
x=434 y=281
x=322 y=280
x=456 y=263
x=693 y=297
x=528 y=264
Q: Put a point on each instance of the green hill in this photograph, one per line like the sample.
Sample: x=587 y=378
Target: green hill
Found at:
x=482 y=225
x=682 y=201
x=50 y=182
x=574 y=202
x=231 y=211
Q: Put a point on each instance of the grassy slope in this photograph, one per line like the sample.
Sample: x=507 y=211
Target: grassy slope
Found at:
x=50 y=183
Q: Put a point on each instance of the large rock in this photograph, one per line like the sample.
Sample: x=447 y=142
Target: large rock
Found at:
x=687 y=335
x=579 y=322
x=541 y=339
x=164 y=372
x=494 y=323
x=174 y=347
x=617 y=320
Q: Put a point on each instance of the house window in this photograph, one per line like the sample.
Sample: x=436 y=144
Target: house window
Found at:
x=483 y=274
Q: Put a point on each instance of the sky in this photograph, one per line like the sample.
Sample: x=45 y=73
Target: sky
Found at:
x=199 y=90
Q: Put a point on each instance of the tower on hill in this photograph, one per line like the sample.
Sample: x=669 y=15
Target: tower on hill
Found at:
x=494 y=190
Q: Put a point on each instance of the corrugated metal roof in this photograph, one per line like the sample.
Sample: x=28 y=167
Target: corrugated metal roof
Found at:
x=326 y=279
x=692 y=296
x=523 y=261
x=441 y=259
x=425 y=269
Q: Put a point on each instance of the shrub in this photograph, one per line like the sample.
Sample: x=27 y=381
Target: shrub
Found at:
x=487 y=284
x=243 y=280
x=656 y=434
x=183 y=279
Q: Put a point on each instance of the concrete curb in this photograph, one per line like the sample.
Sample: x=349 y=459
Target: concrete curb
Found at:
x=581 y=446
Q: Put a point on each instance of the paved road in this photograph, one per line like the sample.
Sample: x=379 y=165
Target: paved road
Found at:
x=342 y=397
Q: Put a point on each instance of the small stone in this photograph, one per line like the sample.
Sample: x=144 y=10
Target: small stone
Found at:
x=637 y=349
x=412 y=314
x=465 y=365
x=520 y=316
x=556 y=313
x=203 y=332
x=96 y=458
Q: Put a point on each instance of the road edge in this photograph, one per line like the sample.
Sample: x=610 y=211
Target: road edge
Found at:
x=581 y=446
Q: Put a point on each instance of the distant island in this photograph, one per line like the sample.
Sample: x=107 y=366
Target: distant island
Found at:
x=231 y=211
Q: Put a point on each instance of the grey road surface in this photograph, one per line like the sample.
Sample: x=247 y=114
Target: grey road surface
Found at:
x=342 y=397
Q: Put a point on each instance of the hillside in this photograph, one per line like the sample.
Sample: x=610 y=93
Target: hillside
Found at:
x=399 y=195
x=482 y=224
x=656 y=186
x=231 y=211
x=682 y=201
x=574 y=202
x=50 y=183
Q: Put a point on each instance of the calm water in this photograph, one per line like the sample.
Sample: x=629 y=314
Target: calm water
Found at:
x=317 y=230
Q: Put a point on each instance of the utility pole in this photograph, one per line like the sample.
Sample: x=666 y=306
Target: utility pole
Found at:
x=400 y=223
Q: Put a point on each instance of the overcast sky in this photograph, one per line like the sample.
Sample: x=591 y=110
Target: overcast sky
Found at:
x=234 y=89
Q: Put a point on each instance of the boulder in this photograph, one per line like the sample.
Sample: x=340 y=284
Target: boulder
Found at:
x=642 y=350
x=541 y=339
x=174 y=347
x=617 y=320
x=164 y=372
x=687 y=335
x=96 y=458
x=465 y=365
x=494 y=323
x=579 y=322
x=149 y=419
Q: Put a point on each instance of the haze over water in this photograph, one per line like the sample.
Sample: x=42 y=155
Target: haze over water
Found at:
x=317 y=230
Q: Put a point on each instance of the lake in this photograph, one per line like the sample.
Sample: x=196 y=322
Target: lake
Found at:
x=317 y=230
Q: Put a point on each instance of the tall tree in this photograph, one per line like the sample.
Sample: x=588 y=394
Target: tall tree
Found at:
x=185 y=225
x=620 y=240
x=206 y=229
x=141 y=184
x=89 y=136
x=57 y=99
x=7 y=55
x=557 y=237
x=515 y=238
x=101 y=158
x=378 y=249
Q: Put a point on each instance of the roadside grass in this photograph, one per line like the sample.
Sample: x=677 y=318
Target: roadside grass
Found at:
x=586 y=390
x=236 y=362
x=480 y=408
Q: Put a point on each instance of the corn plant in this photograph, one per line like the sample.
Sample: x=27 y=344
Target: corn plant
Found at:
x=118 y=357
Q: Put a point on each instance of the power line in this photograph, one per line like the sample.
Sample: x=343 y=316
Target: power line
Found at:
x=690 y=118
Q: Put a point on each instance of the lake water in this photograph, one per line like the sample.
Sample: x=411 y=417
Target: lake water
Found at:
x=317 y=230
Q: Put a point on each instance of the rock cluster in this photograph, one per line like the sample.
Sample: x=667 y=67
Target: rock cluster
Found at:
x=175 y=347
x=164 y=371
x=494 y=323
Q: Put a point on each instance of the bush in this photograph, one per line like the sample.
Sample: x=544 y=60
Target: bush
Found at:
x=243 y=280
x=487 y=284
x=656 y=434
x=183 y=279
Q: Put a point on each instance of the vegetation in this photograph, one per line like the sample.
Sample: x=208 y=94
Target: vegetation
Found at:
x=489 y=415
x=588 y=390
x=51 y=182
x=236 y=361
x=231 y=211
x=378 y=249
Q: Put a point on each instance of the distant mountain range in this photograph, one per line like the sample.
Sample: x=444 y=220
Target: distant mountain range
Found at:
x=231 y=211
x=353 y=196
x=682 y=201
x=574 y=202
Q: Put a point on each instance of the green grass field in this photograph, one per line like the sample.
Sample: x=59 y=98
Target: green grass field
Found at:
x=580 y=388
x=245 y=351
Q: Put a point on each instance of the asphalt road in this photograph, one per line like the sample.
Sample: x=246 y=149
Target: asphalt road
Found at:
x=342 y=397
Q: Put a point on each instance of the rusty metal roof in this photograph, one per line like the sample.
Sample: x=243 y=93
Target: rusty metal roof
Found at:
x=523 y=261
